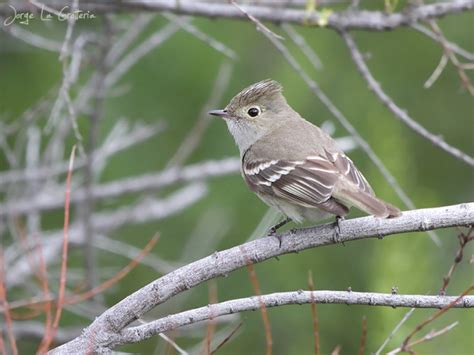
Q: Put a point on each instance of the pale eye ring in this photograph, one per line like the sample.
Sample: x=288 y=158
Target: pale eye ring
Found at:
x=253 y=112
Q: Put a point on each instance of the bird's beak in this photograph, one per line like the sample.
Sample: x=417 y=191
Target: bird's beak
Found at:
x=219 y=113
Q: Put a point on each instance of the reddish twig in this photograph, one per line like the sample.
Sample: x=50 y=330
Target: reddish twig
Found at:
x=263 y=308
x=34 y=303
x=363 y=337
x=22 y=235
x=227 y=338
x=405 y=346
x=45 y=288
x=62 y=281
x=463 y=240
x=431 y=335
x=3 y=350
x=266 y=322
x=211 y=324
x=314 y=315
x=6 y=308
x=33 y=313
x=117 y=277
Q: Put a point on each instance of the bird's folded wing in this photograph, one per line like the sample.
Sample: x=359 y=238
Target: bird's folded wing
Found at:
x=309 y=182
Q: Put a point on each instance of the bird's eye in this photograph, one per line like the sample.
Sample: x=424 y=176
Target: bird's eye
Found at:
x=253 y=111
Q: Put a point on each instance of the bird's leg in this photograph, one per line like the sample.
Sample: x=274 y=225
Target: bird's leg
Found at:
x=277 y=226
x=272 y=231
x=337 y=230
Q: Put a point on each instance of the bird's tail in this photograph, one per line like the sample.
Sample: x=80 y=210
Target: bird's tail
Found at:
x=370 y=204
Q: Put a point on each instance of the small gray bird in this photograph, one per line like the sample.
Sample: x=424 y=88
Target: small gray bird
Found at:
x=290 y=163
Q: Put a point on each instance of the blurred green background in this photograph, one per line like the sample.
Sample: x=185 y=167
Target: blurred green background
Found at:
x=173 y=83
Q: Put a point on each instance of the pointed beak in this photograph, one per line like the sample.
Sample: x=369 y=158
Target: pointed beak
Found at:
x=219 y=113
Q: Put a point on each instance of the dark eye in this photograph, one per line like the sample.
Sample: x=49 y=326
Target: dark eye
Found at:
x=253 y=111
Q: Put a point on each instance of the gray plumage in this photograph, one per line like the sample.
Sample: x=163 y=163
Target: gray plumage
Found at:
x=292 y=164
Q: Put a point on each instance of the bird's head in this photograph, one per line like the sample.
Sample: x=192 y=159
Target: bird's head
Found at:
x=255 y=112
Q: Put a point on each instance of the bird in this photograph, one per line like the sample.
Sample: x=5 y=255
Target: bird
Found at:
x=293 y=165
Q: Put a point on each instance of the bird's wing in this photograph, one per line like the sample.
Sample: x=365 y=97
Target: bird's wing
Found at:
x=308 y=182
x=349 y=172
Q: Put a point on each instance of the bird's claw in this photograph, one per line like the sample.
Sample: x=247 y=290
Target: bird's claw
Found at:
x=272 y=232
x=337 y=230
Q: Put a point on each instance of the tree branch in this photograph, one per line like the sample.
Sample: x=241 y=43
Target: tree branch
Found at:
x=145 y=331
x=104 y=331
x=49 y=200
x=348 y=20
x=397 y=111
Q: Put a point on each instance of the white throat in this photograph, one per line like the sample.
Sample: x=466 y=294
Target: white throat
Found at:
x=244 y=134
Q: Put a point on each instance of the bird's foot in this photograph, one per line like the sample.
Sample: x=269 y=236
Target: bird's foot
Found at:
x=272 y=231
x=337 y=230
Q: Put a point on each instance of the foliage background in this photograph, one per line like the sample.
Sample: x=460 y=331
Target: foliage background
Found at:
x=173 y=83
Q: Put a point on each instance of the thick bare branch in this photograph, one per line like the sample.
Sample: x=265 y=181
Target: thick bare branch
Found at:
x=348 y=19
x=103 y=332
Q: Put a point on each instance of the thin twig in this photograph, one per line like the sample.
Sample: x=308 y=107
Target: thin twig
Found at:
x=32 y=38
x=437 y=72
x=78 y=298
x=394 y=331
x=396 y=110
x=196 y=172
x=64 y=255
x=453 y=46
x=6 y=309
x=173 y=344
x=314 y=315
x=433 y=334
x=464 y=239
x=48 y=322
x=363 y=337
x=260 y=26
x=263 y=309
x=405 y=344
x=300 y=41
x=185 y=24
x=154 y=40
x=106 y=222
x=227 y=338
x=211 y=325
x=117 y=277
x=429 y=336
x=451 y=55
